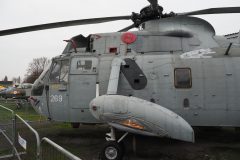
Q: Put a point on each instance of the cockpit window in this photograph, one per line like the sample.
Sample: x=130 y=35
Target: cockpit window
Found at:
x=84 y=65
x=55 y=73
x=59 y=72
x=37 y=89
x=64 y=71
x=45 y=71
x=38 y=86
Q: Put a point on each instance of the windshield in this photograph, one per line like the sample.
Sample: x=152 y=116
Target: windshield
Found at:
x=59 y=72
x=38 y=86
x=45 y=71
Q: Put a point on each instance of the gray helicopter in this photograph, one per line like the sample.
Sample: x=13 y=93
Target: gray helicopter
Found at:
x=171 y=74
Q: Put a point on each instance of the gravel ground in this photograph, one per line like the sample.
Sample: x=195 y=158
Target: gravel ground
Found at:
x=211 y=144
x=87 y=141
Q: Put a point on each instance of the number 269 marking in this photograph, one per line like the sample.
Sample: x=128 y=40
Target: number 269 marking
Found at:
x=56 y=98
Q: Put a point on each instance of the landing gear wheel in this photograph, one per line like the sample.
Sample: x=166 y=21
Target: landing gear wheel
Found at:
x=112 y=151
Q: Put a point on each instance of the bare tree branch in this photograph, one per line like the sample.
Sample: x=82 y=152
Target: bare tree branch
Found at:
x=35 y=68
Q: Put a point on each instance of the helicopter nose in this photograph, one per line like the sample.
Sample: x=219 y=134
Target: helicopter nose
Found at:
x=33 y=101
x=35 y=104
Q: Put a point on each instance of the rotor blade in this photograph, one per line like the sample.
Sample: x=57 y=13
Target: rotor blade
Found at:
x=62 y=24
x=212 y=11
x=127 y=28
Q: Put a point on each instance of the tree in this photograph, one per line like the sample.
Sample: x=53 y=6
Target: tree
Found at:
x=16 y=80
x=5 y=79
x=35 y=68
x=19 y=79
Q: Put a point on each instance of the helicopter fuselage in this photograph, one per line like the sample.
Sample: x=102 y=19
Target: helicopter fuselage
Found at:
x=178 y=64
x=170 y=75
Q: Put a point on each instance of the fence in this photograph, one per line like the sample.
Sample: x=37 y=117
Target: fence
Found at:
x=6 y=131
x=20 y=141
x=27 y=140
x=3 y=100
x=57 y=152
x=22 y=108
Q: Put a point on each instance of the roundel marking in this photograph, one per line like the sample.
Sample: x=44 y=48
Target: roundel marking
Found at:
x=128 y=37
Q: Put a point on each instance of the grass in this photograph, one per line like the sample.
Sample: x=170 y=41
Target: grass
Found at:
x=5 y=151
x=26 y=111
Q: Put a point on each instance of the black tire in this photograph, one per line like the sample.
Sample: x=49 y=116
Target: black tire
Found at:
x=75 y=125
x=112 y=151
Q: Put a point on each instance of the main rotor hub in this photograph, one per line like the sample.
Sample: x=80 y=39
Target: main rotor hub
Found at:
x=149 y=13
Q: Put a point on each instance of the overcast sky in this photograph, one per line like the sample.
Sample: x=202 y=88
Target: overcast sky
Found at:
x=16 y=51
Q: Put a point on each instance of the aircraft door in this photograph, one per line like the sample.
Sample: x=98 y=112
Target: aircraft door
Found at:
x=57 y=98
x=82 y=88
